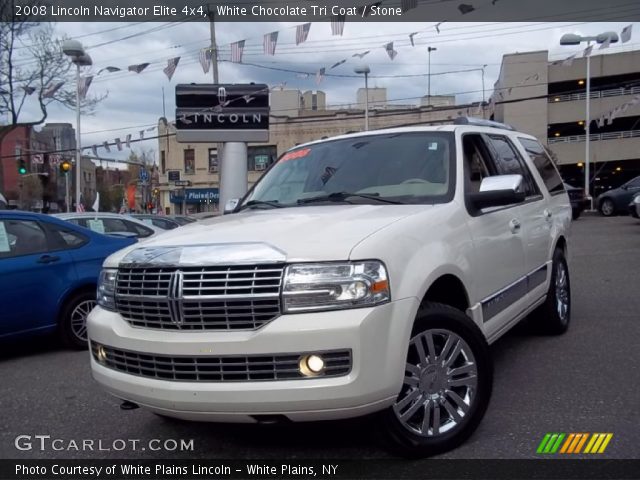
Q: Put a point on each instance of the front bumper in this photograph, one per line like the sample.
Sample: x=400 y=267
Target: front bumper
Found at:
x=377 y=338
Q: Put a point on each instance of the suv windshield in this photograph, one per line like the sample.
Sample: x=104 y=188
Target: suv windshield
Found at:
x=413 y=167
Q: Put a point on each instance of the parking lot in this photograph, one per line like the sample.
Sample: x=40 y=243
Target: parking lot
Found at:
x=584 y=381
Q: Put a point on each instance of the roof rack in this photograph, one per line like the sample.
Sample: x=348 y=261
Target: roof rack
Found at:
x=481 y=122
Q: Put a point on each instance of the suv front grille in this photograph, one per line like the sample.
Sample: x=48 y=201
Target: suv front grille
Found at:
x=199 y=298
x=231 y=368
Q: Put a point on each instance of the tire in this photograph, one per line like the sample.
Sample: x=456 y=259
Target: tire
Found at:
x=554 y=315
x=73 y=319
x=575 y=214
x=459 y=408
x=607 y=207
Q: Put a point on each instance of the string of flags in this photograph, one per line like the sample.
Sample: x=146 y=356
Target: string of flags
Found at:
x=608 y=118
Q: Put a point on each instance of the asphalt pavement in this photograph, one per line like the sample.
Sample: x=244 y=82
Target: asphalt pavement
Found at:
x=587 y=380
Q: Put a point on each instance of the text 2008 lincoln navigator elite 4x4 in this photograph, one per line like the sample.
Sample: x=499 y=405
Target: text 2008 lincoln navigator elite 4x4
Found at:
x=362 y=274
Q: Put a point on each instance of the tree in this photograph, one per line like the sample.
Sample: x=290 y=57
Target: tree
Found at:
x=32 y=62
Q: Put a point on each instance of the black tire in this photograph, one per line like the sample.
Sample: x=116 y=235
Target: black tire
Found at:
x=70 y=333
x=607 y=207
x=575 y=214
x=402 y=438
x=547 y=319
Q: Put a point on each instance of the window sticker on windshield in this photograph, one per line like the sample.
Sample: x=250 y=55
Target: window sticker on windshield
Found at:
x=4 y=239
x=96 y=226
x=303 y=152
x=433 y=146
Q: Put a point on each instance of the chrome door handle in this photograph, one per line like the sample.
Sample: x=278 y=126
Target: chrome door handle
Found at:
x=514 y=225
x=547 y=213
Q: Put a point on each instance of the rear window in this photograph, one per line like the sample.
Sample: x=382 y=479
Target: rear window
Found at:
x=543 y=164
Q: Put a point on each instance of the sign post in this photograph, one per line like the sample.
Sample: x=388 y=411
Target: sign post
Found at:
x=229 y=113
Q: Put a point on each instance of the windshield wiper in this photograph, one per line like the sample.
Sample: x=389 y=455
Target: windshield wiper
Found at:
x=260 y=203
x=343 y=196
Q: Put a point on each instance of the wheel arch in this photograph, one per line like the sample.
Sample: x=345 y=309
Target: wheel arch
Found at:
x=83 y=288
x=447 y=289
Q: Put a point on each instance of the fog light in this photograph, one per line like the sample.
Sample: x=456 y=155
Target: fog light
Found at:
x=101 y=354
x=311 y=365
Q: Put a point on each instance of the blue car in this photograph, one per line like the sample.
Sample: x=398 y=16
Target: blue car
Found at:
x=48 y=274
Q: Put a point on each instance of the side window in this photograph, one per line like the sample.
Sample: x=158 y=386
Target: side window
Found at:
x=114 y=225
x=635 y=183
x=510 y=163
x=476 y=165
x=21 y=237
x=63 y=238
x=543 y=164
x=139 y=230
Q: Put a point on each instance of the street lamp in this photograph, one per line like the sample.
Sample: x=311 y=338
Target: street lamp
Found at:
x=573 y=39
x=364 y=69
x=429 y=49
x=74 y=50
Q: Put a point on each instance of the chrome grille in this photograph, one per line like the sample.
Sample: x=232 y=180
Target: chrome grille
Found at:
x=199 y=298
x=235 y=368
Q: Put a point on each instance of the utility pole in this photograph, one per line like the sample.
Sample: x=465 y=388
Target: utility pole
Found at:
x=429 y=50
x=214 y=46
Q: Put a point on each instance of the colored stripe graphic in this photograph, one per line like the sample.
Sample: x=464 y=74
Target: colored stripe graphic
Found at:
x=574 y=443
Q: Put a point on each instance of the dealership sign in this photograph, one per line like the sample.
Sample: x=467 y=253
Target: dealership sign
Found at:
x=222 y=113
x=195 y=195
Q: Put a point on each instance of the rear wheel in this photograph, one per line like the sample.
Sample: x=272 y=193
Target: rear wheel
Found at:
x=73 y=320
x=447 y=384
x=607 y=208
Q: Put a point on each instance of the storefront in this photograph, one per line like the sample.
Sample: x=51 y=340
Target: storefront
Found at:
x=196 y=200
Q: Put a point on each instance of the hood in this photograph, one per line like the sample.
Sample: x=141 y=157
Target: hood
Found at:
x=313 y=233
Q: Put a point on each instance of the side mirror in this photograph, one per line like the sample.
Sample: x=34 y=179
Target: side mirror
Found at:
x=498 y=191
x=231 y=205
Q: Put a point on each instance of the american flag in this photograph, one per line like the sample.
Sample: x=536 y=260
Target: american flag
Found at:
x=128 y=140
x=205 y=59
x=236 y=51
x=337 y=24
x=83 y=86
x=170 y=69
x=270 y=40
x=79 y=208
x=408 y=4
x=320 y=75
x=302 y=32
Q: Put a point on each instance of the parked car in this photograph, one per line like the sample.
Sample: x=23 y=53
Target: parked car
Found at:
x=48 y=275
x=366 y=273
x=632 y=207
x=159 y=221
x=3 y=202
x=617 y=200
x=103 y=222
x=182 y=219
x=578 y=200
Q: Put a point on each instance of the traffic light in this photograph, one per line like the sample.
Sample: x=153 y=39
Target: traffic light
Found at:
x=22 y=167
x=149 y=206
x=65 y=166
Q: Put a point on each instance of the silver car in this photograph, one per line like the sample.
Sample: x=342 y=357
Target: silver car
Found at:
x=112 y=223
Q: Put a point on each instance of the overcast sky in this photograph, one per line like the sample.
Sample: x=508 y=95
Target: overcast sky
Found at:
x=135 y=102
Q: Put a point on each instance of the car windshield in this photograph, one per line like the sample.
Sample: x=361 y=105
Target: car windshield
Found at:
x=412 y=167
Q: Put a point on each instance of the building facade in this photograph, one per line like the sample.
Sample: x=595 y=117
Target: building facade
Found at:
x=548 y=100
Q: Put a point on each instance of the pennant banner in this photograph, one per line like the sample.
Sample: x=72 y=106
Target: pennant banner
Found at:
x=141 y=134
x=106 y=146
x=361 y=55
x=411 y=35
x=337 y=64
x=94 y=150
x=128 y=140
x=138 y=68
x=109 y=69
x=587 y=51
x=119 y=144
x=302 y=32
x=50 y=91
x=625 y=35
x=320 y=75
x=236 y=51
x=205 y=59
x=83 y=86
x=337 y=24
x=269 y=43
x=390 y=51
x=170 y=69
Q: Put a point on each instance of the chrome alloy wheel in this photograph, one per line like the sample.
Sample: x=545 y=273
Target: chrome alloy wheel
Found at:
x=439 y=385
x=562 y=291
x=79 y=319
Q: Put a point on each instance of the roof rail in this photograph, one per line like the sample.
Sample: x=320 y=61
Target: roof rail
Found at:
x=481 y=122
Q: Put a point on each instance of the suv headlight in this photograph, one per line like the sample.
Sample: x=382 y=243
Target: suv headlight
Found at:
x=333 y=286
x=106 y=295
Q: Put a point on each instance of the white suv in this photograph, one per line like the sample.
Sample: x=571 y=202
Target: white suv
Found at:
x=366 y=273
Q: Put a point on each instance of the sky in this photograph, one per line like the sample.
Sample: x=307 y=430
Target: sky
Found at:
x=135 y=101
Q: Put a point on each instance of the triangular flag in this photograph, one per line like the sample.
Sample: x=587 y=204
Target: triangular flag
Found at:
x=28 y=90
x=567 y=62
x=337 y=24
x=360 y=55
x=94 y=150
x=625 y=35
x=141 y=134
x=605 y=44
x=437 y=26
x=390 y=51
x=337 y=64
x=50 y=91
x=302 y=32
x=170 y=69
x=138 y=68
x=106 y=146
x=108 y=69
x=128 y=140
x=269 y=43
x=205 y=59
x=320 y=75
x=119 y=144
x=411 y=35
x=465 y=8
x=587 y=51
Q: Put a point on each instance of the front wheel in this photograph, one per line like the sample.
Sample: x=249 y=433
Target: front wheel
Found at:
x=73 y=319
x=447 y=384
x=607 y=208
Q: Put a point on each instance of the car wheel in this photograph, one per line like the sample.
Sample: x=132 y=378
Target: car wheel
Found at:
x=575 y=214
x=447 y=384
x=73 y=320
x=607 y=208
x=554 y=315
